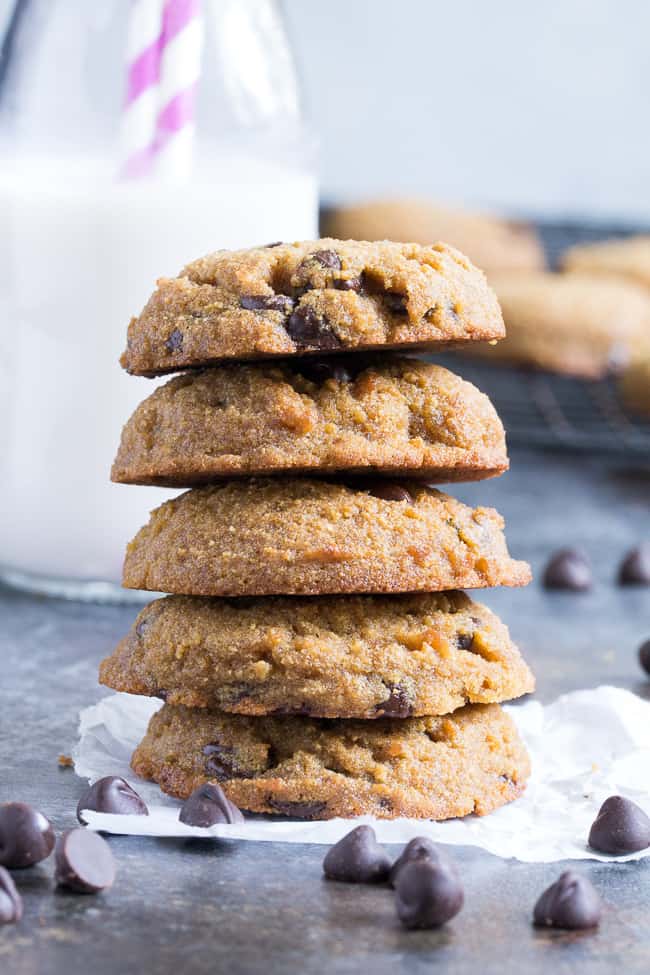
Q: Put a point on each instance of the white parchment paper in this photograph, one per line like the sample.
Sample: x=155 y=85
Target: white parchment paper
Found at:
x=585 y=746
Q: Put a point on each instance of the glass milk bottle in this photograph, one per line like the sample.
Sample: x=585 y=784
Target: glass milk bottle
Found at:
x=135 y=136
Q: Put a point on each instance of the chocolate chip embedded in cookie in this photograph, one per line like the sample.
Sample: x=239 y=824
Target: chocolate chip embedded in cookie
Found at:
x=305 y=537
x=345 y=656
x=432 y=768
x=395 y=415
x=314 y=296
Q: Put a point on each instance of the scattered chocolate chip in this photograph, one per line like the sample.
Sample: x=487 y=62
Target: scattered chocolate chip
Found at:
x=357 y=858
x=327 y=258
x=300 y=810
x=635 y=567
x=174 y=342
x=274 y=243
x=389 y=491
x=397 y=704
x=11 y=903
x=220 y=762
x=320 y=370
x=161 y=694
x=464 y=640
x=26 y=835
x=419 y=848
x=84 y=862
x=111 y=794
x=209 y=805
x=395 y=302
x=427 y=894
x=571 y=902
x=349 y=284
x=568 y=569
x=620 y=827
x=281 y=303
x=644 y=656
x=142 y=625
x=309 y=331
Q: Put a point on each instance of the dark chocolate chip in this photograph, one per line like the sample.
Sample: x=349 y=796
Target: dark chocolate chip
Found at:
x=309 y=331
x=281 y=303
x=571 y=902
x=427 y=894
x=111 y=794
x=84 y=862
x=357 y=858
x=299 y=810
x=142 y=625
x=320 y=370
x=568 y=569
x=26 y=835
x=208 y=805
x=644 y=656
x=464 y=640
x=349 y=284
x=220 y=762
x=274 y=243
x=635 y=567
x=174 y=342
x=389 y=491
x=419 y=848
x=11 y=903
x=620 y=827
x=327 y=258
x=397 y=704
x=161 y=695
x=395 y=302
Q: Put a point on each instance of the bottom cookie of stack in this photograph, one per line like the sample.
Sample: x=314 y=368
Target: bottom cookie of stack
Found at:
x=471 y=761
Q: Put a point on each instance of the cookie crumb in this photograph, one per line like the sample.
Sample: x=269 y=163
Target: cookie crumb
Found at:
x=65 y=761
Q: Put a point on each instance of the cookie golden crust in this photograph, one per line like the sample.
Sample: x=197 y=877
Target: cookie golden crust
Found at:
x=397 y=416
x=315 y=296
x=305 y=537
x=628 y=258
x=577 y=324
x=429 y=768
x=493 y=244
x=331 y=657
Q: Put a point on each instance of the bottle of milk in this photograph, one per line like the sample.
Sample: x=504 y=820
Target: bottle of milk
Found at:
x=135 y=136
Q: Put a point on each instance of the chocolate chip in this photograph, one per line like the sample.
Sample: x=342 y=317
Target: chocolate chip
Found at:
x=174 y=342
x=419 y=848
x=208 y=805
x=26 y=835
x=281 y=303
x=221 y=763
x=464 y=640
x=620 y=827
x=11 y=903
x=327 y=258
x=310 y=331
x=644 y=656
x=635 y=567
x=568 y=569
x=395 y=302
x=571 y=902
x=274 y=243
x=357 y=858
x=389 y=491
x=320 y=370
x=142 y=625
x=84 y=862
x=349 y=284
x=427 y=894
x=111 y=794
x=397 y=704
x=299 y=810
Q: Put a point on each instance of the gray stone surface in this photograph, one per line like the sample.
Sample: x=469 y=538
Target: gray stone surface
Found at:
x=202 y=908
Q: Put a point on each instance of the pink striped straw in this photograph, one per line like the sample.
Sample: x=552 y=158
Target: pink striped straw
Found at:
x=165 y=72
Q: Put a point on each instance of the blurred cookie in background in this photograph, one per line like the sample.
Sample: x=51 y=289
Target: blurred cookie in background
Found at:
x=627 y=258
x=491 y=243
x=635 y=381
x=574 y=324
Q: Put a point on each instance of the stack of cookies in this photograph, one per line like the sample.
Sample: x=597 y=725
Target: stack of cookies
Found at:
x=316 y=657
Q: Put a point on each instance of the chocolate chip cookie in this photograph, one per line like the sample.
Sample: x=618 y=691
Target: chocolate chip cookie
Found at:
x=472 y=761
x=346 y=656
x=577 y=324
x=305 y=537
x=493 y=244
x=627 y=258
x=315 y=296
x=395 y=415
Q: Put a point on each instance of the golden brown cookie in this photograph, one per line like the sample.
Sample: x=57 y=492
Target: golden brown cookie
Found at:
x=491 y=243
x=331 y=657
x=395 y=415
x=429 y=768
x=305 y=537
x=627 y=258
x=576 y=324
x=315 y=296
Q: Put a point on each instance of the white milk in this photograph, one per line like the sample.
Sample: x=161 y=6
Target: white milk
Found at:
x=78 y=256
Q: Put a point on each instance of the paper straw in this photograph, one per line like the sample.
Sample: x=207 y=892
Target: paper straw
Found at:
x=164 y=46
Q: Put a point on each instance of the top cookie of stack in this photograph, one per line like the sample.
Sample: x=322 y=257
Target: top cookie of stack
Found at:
x=226 y=428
